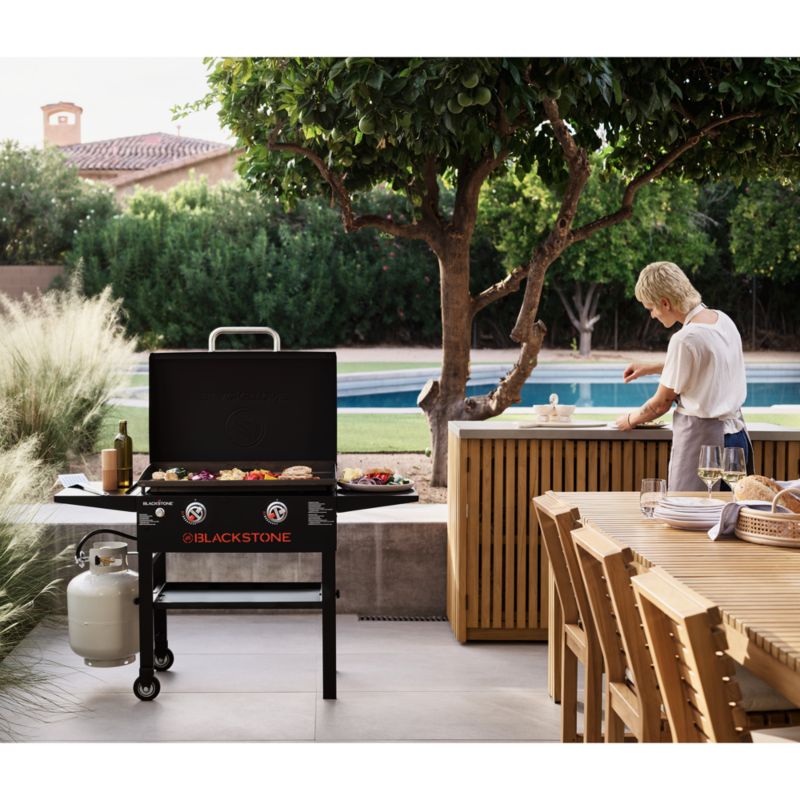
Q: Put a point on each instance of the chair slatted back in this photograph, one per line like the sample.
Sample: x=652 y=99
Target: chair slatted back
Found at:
x=607 y=568
x=557 y=520
x=696 y=676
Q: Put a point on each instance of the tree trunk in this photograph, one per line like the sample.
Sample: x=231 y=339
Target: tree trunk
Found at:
x=585 y=347
x=444 y=399
x=582 y=313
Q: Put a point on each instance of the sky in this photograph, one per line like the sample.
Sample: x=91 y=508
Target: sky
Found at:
x=134 y=63
x=119 y=96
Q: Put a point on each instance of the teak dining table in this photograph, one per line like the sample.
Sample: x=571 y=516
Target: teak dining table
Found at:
x=756 y=587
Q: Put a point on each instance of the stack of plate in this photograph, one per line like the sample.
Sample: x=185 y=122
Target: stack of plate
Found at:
x=689 y=513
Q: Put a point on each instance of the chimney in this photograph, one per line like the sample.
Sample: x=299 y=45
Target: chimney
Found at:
x=62 y=124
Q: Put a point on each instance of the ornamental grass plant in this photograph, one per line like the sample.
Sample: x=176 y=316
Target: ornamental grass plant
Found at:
x=28 y=578
x=61 y=357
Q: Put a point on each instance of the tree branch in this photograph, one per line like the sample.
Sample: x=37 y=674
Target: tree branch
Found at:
x=557 y=240
x=509 y=389
x=594 y=294
x=466 y=203
x=626 y=209
x=502 y=288
x=430 y=204
x=567 y=307
x=425 y=230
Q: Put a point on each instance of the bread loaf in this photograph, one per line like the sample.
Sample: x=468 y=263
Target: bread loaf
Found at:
x=759 y=487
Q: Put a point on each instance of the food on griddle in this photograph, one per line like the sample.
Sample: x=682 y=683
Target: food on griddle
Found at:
x=260 y=475
x=297 y=473
x=203 y=475
x=234 y=474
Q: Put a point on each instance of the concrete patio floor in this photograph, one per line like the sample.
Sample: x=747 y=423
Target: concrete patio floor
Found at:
x=251 y=677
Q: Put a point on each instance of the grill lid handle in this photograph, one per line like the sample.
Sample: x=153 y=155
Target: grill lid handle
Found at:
x=212 y=337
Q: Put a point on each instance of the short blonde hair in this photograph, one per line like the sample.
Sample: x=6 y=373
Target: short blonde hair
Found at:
x=663 y=279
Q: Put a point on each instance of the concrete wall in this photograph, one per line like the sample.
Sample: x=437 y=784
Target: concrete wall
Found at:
x=390 y=561
x=18 y=279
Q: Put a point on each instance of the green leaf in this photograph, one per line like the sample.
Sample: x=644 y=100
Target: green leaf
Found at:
x=337 y=68
x=617 y=90
x=375 y=79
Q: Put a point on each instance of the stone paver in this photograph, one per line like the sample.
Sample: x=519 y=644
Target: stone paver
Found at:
x=257 y=677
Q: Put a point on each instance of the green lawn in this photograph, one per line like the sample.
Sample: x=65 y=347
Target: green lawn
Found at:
x=368 y=433
x=138 y=425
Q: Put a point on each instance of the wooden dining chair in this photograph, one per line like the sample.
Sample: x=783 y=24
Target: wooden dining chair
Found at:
x=578 y=641
x=633 y=700
x=700 y=685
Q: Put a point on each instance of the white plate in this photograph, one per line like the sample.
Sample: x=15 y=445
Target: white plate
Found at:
x=670 y=514
x=562 y=424
x=694 y=503
x=687 y=524
x=369 y=487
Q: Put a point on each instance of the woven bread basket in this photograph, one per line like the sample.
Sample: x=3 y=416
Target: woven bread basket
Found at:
x=769 y=527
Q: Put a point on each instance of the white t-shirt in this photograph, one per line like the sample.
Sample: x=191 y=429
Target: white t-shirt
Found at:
x=705 y=366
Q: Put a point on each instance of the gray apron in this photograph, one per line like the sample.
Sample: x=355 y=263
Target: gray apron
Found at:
x=688 y=435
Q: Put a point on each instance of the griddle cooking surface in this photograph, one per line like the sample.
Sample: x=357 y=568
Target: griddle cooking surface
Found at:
x=324 y=472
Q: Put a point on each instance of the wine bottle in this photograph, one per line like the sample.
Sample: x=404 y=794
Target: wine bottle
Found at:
x=124 y=447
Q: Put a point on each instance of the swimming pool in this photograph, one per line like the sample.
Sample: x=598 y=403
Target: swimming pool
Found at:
x=584 y=393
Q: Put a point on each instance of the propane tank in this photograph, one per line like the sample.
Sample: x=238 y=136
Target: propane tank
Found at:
x=102 y=611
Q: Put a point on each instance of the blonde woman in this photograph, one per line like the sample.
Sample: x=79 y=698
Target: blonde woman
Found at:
x=703 y=373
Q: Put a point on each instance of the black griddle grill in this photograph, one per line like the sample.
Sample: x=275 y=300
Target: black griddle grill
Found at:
x=217 y=410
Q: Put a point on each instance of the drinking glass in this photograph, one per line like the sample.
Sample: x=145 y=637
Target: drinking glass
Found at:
x=709 y=466
x=733 y=465
x=653 y=491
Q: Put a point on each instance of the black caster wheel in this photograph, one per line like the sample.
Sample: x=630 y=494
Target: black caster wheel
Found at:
x=163 y=662
x=146 y=691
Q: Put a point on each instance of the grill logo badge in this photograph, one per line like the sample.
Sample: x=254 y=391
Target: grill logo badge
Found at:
x=276 y=512
x=194 y=513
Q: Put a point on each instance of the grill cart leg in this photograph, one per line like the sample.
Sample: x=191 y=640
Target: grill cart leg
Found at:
x=146 y=686
x=164 y=657
x=329 y=626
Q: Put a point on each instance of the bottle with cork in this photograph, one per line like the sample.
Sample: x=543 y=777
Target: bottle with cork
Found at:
x=124 y=447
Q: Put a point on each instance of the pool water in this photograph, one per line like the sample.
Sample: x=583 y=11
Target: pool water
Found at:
x=580 y=394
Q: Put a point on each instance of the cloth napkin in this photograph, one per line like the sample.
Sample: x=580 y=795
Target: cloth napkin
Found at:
x=730 y=513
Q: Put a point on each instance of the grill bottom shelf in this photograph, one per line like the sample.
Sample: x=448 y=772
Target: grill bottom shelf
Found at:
x=239 y=595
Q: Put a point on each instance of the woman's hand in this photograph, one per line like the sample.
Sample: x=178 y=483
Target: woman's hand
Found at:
x=634 y=371
x=623 y=423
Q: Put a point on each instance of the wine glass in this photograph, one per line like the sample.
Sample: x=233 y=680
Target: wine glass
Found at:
x=733 y=465
x=653 y=491
x=709 y=466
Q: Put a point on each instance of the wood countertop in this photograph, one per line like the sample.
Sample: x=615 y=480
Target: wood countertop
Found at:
x=759 y=431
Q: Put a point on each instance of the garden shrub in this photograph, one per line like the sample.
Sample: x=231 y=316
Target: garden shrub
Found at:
x=44 y=205
x=196 y=258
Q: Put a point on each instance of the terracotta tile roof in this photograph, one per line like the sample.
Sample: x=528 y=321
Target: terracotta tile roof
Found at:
x=137 y=152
